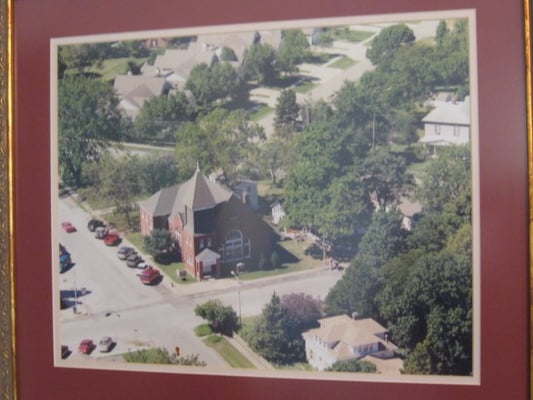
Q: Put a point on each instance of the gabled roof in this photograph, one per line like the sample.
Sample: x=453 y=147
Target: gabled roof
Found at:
x=160 y=204
x=342 y=334
x=199 y=193
x=139 y=85
x=207 y=255
x=450 y=113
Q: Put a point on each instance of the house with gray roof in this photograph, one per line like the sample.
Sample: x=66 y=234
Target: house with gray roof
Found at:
x=447 y=124
x=134 y=90
x=210 y=225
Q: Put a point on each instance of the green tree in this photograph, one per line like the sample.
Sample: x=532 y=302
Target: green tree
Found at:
x=286 y=113
x=352 y=366
x=292 y=51
x=302 y=309
x=453 y=55
x=157 y=172
x=447 y=183
x=271 y=335
x=432 y=316
x=442 y=33
x=161 y=355
x=120 y=182
x=386 y=177
x=215 y=84
x=358 y=289
x=160 y=117
x=89 y=120
x=223 y=319
x=387 y=42
x=228 y=54
x=273 y=157
x=260 y=63
x=219 y=140
x=158 y=244
x=80 y=57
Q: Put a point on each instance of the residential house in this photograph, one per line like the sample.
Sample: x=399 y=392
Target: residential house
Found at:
x=210 y=224
x=342 y=338
x=175 y=65
x=134 y=90
x=447 y=124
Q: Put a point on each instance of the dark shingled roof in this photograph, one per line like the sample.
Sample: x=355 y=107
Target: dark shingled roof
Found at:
x=160 y=204
x=199 y=193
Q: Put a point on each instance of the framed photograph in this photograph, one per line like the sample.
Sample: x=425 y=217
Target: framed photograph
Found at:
x=274 y=201
x=289 y=255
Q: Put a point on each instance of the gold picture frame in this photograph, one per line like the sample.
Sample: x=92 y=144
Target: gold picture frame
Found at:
x=7 y=303
x=8 y=357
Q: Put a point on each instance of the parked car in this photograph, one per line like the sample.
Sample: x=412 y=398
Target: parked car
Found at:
x=64 y=262
x=86 y=346
x=68 y=227
x=100 y=232
x=106 y=344
x=62 y=250
x=124 y=252
x=143 y=265
x=112 y=238
x=150 y=275
x=94 y=223
x=65 y=351
x=133 y=260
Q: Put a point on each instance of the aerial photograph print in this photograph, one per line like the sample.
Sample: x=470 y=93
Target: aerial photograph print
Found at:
x=281 y=199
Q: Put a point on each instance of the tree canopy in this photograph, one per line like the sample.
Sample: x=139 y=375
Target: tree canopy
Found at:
x=388 y=41
x=222 y=139
x=89 y=120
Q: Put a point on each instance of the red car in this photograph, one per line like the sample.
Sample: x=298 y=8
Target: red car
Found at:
x=150 y=275
x=86 y=346
x=112 y=238
x=68 y=227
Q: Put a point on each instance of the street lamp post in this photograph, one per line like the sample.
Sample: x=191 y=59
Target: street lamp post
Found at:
x=239 y=293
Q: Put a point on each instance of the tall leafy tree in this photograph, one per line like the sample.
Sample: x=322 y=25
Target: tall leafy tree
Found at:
x=272 y=337
x=219 y=140
x=447 y=182
x=260 y=63
x=386 y=177
x=215 y=84
x=158 y=244
x=89 y=120
x=292 y=51
x=286 y=113
x=120 y=182
x=160 y=117
x=223 y=319
x=387 y=42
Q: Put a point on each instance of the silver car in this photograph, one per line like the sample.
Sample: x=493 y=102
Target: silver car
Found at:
x=106 y=344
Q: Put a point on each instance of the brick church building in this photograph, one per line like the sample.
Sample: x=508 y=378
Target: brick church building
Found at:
x=213 y=228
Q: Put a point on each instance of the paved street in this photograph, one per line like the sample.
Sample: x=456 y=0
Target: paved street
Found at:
x=112 y=301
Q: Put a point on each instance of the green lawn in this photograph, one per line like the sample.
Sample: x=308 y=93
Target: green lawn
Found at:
x=229 y=353
x=343 y=63
x=110 y=68
x=351 y=35
x=304 y=87
x=261 y=112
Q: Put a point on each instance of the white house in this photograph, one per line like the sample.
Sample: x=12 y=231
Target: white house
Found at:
x=342 y=338
x=447 y=124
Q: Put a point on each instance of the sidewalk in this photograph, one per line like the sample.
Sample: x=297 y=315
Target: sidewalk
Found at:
x=258 y=361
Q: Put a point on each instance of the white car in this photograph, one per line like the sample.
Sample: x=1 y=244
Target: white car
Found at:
x=106 y=344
